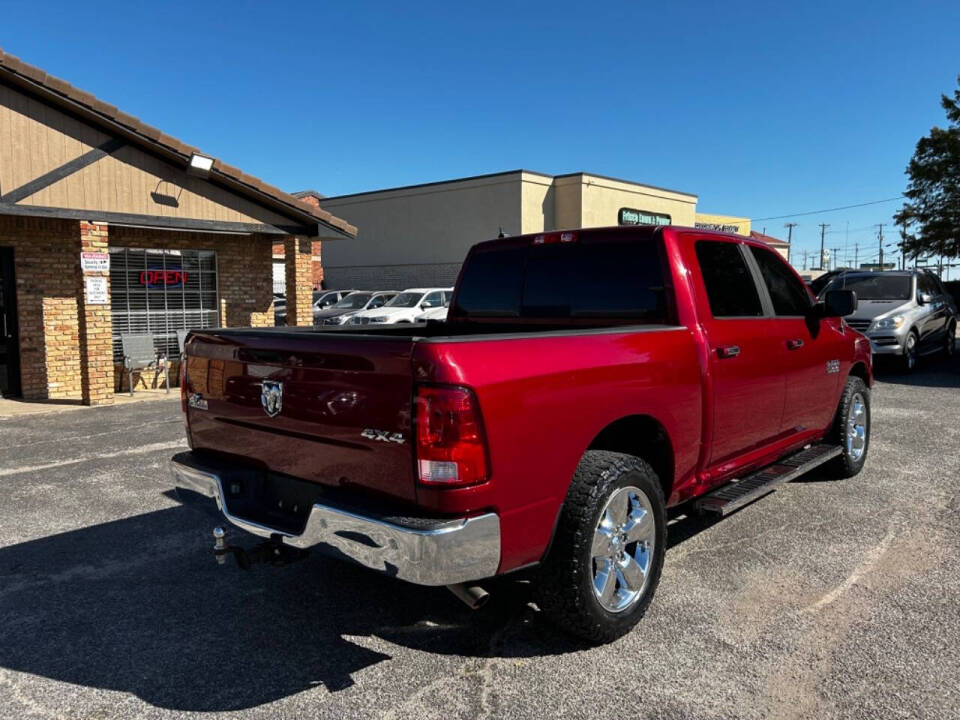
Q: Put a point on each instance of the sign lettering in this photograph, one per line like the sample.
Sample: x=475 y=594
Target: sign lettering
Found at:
x=160 y=278
x=630 y=216
x=94 y=262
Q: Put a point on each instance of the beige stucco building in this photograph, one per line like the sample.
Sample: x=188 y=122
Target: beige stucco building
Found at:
x=419 y=235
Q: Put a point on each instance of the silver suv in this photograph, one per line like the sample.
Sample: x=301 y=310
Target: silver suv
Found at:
x=905 y=314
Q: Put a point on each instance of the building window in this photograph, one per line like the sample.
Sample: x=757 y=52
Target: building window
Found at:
x=162 y=291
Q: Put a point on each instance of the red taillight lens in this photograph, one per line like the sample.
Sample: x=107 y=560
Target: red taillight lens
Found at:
x=451 y=446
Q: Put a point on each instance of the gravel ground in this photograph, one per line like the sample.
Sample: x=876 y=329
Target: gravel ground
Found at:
x=825 y=599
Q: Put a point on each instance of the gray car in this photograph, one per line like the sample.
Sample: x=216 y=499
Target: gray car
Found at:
x=350 y=305
x=905 y=314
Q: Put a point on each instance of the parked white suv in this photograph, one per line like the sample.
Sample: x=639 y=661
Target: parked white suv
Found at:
x=405 y=307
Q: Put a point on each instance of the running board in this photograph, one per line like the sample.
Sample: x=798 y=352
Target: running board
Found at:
x=738 y=493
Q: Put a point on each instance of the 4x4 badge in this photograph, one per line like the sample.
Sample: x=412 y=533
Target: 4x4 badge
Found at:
x=833 y=366
x=382 y=435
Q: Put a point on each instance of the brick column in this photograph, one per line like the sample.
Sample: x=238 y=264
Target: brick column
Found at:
x=95 y=325
x=298 y=258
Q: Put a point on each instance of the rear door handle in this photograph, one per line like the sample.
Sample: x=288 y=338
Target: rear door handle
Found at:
x=728 y=351
x=795 y=344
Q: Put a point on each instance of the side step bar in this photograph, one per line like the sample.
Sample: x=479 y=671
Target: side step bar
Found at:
x=740 y=492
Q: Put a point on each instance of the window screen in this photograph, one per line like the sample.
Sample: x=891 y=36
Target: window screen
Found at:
x=162 y=291
x=788 y=294
x=730 y=287
x=602 y=278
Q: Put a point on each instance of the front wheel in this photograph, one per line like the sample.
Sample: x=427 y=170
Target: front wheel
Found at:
x=851 y=429
x=607 y=554
x=950 y=344
x=910 y=351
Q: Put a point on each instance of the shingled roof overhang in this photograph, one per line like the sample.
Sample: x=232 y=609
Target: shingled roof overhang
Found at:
x=307 y=219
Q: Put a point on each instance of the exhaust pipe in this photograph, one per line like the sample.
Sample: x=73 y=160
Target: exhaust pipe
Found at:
x=473 y=596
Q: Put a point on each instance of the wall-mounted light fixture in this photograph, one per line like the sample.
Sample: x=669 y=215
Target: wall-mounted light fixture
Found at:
x=200 y=165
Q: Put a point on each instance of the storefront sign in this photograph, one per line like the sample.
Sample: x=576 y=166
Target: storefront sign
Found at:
x=719 y=227
x=96 y=290
x=163 y=278
x=630 y=216
x=94 y=262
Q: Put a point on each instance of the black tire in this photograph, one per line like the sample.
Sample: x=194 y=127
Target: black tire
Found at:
x=950 y=343
x=848 y=464
x=565 y=581
x=908 y=362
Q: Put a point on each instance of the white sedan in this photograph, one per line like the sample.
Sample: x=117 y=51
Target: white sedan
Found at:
x=405 y=307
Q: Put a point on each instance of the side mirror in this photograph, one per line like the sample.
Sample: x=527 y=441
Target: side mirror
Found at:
x=838 y=303
x=925 y=298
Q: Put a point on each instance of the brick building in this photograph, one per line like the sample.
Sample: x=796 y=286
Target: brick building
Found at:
x=311 y=197
x=109 y=226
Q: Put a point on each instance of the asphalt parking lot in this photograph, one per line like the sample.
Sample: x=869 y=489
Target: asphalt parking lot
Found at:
x=825 y=599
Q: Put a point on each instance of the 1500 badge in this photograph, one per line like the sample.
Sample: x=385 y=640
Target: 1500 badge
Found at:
x=833 y=366
x=383 y=436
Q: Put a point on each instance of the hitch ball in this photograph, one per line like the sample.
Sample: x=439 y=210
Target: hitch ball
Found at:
x=220 y=545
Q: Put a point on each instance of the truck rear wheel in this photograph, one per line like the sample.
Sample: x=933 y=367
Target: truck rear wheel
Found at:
x=607 y=554
x=851 y=429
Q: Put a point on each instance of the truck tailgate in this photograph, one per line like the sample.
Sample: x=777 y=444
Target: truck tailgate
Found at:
x=344 y=416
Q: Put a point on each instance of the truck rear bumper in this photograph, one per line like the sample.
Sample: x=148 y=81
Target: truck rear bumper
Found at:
x=435 y=552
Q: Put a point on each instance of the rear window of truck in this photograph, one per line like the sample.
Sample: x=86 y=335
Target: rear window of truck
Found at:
x=607 y=278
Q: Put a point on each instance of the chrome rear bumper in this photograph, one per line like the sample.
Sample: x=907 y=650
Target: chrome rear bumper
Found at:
x=448 y=552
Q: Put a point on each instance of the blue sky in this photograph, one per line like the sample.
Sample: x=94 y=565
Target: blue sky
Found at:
x=758 y=108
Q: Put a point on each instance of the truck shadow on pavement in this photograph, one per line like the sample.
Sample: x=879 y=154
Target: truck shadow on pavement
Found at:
x=139 y=605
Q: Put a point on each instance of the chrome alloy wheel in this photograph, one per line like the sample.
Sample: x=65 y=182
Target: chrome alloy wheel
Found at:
x=910 y=351
x=856 y=428
x=622 y=550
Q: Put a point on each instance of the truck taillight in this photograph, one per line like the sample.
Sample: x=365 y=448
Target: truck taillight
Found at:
x=451 y=446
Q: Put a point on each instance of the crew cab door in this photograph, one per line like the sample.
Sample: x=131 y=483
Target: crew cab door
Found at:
x=746 y=379
x=808 y=348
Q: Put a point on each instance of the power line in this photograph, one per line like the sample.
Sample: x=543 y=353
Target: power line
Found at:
x=817 y=212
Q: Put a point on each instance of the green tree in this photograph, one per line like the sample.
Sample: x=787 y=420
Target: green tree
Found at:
x=931 y=215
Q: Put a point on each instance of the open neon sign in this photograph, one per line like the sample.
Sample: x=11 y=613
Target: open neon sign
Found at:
x=163 y=278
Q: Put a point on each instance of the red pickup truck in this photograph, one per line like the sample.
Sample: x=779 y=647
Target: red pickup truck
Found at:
x=584 y=382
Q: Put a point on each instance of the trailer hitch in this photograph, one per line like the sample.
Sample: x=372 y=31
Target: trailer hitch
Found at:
x=271 y=551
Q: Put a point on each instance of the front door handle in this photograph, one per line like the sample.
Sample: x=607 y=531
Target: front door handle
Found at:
x=795 y=344
x=728 y=351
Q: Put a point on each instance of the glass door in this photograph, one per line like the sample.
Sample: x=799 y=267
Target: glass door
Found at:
x=9 y=339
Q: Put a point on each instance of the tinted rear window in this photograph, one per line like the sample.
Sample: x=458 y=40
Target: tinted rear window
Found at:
x=612 y=278
x=730 y=287
x=879 y=286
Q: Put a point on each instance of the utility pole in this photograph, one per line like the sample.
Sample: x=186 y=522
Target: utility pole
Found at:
x=789 y=227
x=835 y=255
x=856 y=256
x=903 y=246
x=823 y=233
x=804 y=259
x=880 y=241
